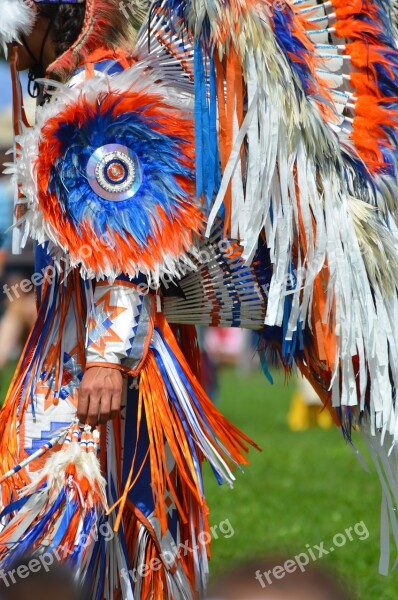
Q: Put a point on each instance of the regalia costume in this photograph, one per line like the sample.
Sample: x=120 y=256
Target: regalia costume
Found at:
x=238 y=167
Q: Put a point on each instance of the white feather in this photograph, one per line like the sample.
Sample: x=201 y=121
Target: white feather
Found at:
x=17 y=18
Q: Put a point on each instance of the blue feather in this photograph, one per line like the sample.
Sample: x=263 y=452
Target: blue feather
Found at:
x=161 y=157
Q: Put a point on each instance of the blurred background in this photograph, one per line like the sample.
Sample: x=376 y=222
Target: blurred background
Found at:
x=17 y=307
x=304 y=487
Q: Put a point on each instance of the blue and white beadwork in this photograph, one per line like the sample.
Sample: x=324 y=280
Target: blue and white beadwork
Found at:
x=113 y=172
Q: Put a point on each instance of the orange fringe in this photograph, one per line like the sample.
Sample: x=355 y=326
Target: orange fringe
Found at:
x=366 y=50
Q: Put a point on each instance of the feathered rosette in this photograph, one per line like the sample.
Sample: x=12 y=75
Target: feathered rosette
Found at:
x=112 y=182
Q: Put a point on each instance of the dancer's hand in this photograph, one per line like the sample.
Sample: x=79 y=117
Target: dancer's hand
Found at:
x=100 y=395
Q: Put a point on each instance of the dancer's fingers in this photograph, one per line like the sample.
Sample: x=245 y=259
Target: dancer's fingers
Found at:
x=94 y=408
x=83 y=403
x=105 y=407
x=116 y=403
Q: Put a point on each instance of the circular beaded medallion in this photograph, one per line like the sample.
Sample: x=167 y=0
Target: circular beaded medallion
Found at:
x=114 y=173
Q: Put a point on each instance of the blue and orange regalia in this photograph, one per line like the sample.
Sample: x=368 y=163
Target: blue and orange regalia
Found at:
x=236 y=166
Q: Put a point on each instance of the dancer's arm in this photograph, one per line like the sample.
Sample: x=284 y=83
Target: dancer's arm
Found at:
x=119 y=329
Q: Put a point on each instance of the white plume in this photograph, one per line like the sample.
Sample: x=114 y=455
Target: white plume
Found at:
x=16 y=17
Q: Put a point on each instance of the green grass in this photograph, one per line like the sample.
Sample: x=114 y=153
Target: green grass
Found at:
x=302 y=489
x=5 y=379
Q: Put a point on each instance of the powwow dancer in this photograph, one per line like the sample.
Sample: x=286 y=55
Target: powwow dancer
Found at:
x=220 y=163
